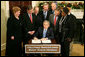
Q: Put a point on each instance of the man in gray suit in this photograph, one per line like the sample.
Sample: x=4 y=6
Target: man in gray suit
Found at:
x=54 y=20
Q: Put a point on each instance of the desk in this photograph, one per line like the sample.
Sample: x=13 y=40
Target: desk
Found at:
x=51 y=48
x=53 y=41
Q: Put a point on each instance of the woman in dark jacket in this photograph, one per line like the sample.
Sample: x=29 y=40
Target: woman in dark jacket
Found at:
x=14 y=34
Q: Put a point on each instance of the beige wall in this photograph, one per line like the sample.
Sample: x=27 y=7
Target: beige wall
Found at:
x=35 y=3
x=4 y=17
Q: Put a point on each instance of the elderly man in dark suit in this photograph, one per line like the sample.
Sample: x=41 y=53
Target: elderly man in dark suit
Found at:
x=44 y=32
x=54 y=20
x=38 y=19
x=45 y=13
x=53 y=7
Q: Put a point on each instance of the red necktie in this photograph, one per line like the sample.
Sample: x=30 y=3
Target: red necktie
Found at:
x=31 y=18
x=55 y=21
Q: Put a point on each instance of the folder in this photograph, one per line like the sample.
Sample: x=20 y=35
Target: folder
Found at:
x=46 y=41
x=36 y=41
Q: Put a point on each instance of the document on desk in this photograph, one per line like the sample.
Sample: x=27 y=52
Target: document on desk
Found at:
x=36 y=41
x=46 y=41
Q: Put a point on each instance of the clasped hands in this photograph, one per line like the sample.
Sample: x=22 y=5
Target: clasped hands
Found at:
x=31 y=32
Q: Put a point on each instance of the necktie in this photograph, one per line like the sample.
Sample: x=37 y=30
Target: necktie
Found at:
x=31 y=18
x=55 y=21
x=45 y=14
x=44 y=33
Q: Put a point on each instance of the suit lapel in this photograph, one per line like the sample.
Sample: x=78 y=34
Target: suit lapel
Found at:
x=57 y=20
x=42 y=14
x=47 y=32
x=52 y=19
x=47 y=15
x=42 y=31
x=29 y=18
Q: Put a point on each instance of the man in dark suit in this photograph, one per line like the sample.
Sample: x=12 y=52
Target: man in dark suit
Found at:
x=29 y=23
x=28 y=26
x=44 y=32
x=45 y=13
x=38 y=19
x=65 y=31
x=54 y=20
x=53 y=7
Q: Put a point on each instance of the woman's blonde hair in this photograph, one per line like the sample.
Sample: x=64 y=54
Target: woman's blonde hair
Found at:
x=15 y=9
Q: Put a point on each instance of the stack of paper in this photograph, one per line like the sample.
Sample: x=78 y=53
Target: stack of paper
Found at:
x=41 y=41
x=46 y=41
x=36 y=41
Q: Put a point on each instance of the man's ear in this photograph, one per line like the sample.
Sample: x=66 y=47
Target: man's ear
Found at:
x=43 y=6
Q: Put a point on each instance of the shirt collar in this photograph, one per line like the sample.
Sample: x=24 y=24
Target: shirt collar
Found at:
x=29 y=14
x=44 y=11
x=45 y=29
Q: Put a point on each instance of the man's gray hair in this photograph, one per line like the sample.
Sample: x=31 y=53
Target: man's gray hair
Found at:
x=46 y=21
x=45 y=4
x=36 y=7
